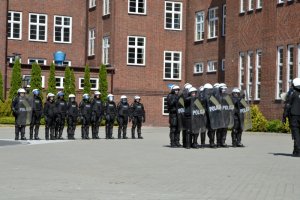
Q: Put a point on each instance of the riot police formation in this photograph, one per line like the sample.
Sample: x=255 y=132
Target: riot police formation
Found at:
x=97 y=113
x=123 y=116
x=37 y=111
x=110 y=116
x=137 y=112
x=49 y=114
x=72 y=115
x=85 y=112
x=61 y=111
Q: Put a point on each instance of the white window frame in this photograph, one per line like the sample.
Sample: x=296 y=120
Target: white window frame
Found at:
x=11 y=59
x=257 y=73
x=37 y=60
x=172 y=62
x=91 y=45
x=213 y=23
x=279 y=65
x=259 y=4
x=242 y=6
x=38 y=25
x=92 y=88
x=241 y=69
x=250 y=5
x=250 y=62
x=196 y=71
x=106 y=7
x=61 y=86
x=137 y=7
x=224 y=20
x=213 y=63
x=43 y=80
x=65 y=63
x=164 y=100
x=62 y=26
x=92 y=3
x=136 y=47
x=199 y=26
x=105 y=50
x=173 y=13
x=223 y=64
x=288 y=66
x=12 y=22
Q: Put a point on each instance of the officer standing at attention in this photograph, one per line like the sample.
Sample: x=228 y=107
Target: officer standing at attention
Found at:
x=37 y=111
x=97 y=113
x=85 y=112
x=61 y=108
x=110 y=116
x=123 y=115
x=49 y=114
x=137 y=116
x=72 y=115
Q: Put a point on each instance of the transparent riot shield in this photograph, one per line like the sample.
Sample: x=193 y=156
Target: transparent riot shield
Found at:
x=227 y=111
x=24 y=112
x=245 y=115
x=198 y=116
x=180 y=113
x=215 y=113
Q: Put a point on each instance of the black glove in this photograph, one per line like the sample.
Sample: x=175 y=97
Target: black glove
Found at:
x=144 y=119
x=283 y=120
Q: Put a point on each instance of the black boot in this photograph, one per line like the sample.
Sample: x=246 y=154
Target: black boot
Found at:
x=139 y=133
x=133 y=133
x=195 y=143
x=83 y=132
x=218 y=132
x=111 y=132
x=119 y=132
x=36 y=132
x=203 y=135
x=211 y=135
x=52 y=136
x=106 y=131
x=233 y=137
x=172 y=139
x=223 y=138
x=23 y=133
x=17 y=130
x=239 y=139
x=187 y=140
x=87 y=132
x=97 y=133
x=47 y=133
x=177 y=138
x=31 y=132
x=125 y=132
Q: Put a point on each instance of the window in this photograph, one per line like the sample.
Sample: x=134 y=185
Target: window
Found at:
x=137 y=6
x=106 y=7
x=250 y=5
x=280 y=1
x=242 y=6
x=242 y=70
x=37 y=27
x=165 y=110
x=173 y=13
x=59 y=82
x=279 y=72
x=198 y=68
x=94 y=83
x=290 y=67
x=62 y=29
x=212 y=66
x=105 y=50
x=136 y=50
x=224 y=21
x=37 y=60
x=199 y=33
x=250 y=74
x=213 y=23
x=11 y=59
x=14 y=25
x=172 y=65
x=91 y=50
x=223 y=64
x=92 y=3
x=28 y=78
x=258 y=74
x=67 y=63
x=259 y=4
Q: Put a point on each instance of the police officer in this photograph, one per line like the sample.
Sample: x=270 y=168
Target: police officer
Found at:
x=123 y=115
x=201 y=97
x=49 y=114
x=137 y=116
x=293 y=107
x=72 y=115
x=110 y=116
x=172 y=100
x=61 y=108
x=237 y=130
x=37 y=111
x=20 y=112
x=85 y=111
x=184 y=95
x=97 y=113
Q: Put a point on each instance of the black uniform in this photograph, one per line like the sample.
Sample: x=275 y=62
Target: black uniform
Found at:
x=172 y=100
x=184 y=95
x=72 y=115
x=49 y=114
x=237 y=130
x=137 y=113
x=110 y=116
x=61 y=108
x=85 y=111
x=37 y=111
x=201 y=97
x=97 y=113
x=123 y=115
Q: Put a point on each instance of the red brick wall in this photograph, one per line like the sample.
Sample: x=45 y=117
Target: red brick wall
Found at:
x=3 y=7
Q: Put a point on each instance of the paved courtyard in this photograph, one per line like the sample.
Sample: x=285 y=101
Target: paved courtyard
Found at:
x=147 y=169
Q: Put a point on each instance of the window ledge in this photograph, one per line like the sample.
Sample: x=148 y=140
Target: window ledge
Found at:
x=211 y=72
x=141 y=14
x=242 y=13
x=256 y=101
x=135 y=65
x=199 y=41
x=170 y=79
x=172 y=29
x=43 y=41
x=90 y=57
x=212 y=39
x=277 y=101
x=106 y=16
x=250 y=11
x=198 y=74
x=93 y=8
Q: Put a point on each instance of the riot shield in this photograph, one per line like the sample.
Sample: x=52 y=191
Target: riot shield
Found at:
x=180 y=113
x=227 y=111
x=24 y=112
x=245 y=115
x=198 y=116
x=215 y=113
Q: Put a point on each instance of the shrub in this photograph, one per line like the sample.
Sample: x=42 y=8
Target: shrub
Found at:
x=285 y=127
x=5 y=108
x=7 y=120
x=259 y=122
x=103 y=85
x=1 y=88
x=274 y=126
x=16 y=79
x=87 y=83
x=51 y=80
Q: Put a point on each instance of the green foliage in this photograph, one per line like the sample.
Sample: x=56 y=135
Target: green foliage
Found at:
x=103 y=85
x=16 y=79
x=51 y=80
x=1 y=88
x=87 y=83
x=67 y=83
x=36 y=77
x=259 y=122
x=285 y=128
x=72 y=85
x=274 y=126
x=7 y=120
x=5 y=108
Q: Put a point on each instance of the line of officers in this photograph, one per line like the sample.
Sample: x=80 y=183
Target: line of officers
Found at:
x=211 y=109
x=90 y=111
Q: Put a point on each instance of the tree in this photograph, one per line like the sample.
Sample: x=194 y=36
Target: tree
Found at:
x=16 y=79
x=72 y=85
x=87 y=83
x=36 y=77
x=103 y=85
x=67 y=83
x=51 y=80
x=1 y=88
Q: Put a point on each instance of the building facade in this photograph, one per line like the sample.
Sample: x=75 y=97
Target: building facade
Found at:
x=148 y=45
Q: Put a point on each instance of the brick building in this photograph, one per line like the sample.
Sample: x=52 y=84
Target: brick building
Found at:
x=150 y=44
